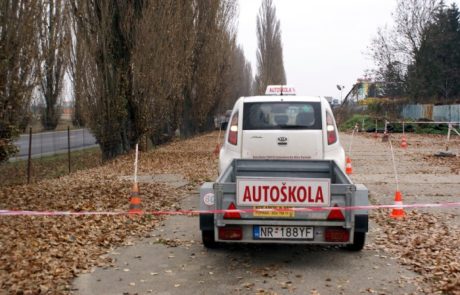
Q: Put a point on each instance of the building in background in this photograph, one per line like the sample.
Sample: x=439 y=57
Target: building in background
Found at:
x=365 y=89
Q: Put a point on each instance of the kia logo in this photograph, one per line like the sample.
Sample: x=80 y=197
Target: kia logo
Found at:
x=282 y=140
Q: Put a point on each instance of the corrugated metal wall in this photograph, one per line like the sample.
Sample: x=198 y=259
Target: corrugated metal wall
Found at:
x=444 y=113
x=447 y=113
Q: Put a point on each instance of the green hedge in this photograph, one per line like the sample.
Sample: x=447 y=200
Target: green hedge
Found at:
x=369 y=122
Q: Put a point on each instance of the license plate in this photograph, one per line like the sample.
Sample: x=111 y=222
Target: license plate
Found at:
x=287 y=192
x=269 y=232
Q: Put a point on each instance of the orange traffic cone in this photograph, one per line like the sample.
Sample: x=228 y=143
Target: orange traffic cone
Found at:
x=216 y=150
x=135 y=201
x=348 y=168
x=398 y=212
x=403 y=142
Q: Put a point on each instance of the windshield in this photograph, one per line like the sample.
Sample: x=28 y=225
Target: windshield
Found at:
x=282 y=115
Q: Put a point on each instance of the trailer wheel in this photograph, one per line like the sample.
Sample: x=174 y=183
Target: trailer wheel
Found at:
x=359 y=240
x=208 y=239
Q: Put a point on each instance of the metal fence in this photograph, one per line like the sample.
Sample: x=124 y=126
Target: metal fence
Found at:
x=450 y=113
x=32 y=162
x=51 y=143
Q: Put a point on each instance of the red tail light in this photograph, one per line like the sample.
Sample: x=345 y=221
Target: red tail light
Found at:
x=336 y=215
x=331 y=130
x=233 y=132
x=336 y=235
x=232 y=215
x=230 y=233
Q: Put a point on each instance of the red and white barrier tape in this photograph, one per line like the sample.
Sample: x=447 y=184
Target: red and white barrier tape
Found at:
x=198 y=212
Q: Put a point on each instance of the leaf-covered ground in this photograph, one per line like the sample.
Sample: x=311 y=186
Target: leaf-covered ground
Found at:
x=427 y=240
x=425 y=243
x=42 y=254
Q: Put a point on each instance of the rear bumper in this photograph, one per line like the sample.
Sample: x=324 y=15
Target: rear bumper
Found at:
x=360 y=224
x=318 y=237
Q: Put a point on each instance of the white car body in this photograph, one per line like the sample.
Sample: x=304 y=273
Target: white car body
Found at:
x=285 y=142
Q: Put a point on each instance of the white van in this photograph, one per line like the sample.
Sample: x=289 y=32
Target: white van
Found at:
x=281 y=125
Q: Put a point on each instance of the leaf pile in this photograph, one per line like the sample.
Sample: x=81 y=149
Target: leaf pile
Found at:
x=426 y=241
x=43 y=254
x=426 y=244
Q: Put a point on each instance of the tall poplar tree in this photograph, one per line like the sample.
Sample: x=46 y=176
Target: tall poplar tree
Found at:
x=270 y=63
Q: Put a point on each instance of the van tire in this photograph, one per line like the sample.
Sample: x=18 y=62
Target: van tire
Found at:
x=359 y=240
x=208 y=239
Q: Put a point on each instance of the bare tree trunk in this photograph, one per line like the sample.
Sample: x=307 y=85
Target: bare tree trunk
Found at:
x=53 y=46
x=18 y=60
x=270 y=63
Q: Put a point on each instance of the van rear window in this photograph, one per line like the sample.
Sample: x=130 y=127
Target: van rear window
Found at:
x=282 y=115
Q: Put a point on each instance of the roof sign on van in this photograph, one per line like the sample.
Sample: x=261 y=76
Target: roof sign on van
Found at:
x=280 y=90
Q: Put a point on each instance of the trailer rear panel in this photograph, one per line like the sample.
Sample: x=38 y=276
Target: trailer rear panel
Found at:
x=279 y=185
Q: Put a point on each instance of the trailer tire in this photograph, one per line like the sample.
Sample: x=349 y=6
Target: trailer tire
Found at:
x=208 y=239
x=359 y=240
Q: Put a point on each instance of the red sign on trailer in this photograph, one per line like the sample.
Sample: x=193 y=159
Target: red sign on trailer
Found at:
x=293 y=192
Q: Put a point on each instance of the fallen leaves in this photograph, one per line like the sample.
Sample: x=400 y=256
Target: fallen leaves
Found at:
x=425 y=243
x=171 y=242
x=43 y=254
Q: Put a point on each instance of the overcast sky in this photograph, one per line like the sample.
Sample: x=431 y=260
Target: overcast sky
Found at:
x=325 y=41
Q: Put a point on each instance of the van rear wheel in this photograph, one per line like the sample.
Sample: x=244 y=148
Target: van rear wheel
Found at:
x=359 y=240
x=208 y=239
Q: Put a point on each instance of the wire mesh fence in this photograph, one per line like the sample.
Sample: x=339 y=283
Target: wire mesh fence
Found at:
x=52 y=143
x=50 y=154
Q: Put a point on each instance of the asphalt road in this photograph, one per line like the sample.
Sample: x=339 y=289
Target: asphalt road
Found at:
x=48 y=143
x=173 y=261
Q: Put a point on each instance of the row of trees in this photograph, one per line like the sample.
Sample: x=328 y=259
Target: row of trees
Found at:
x=419 y=57
x=33 y=38
x=137 y=68
x=151 y=67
